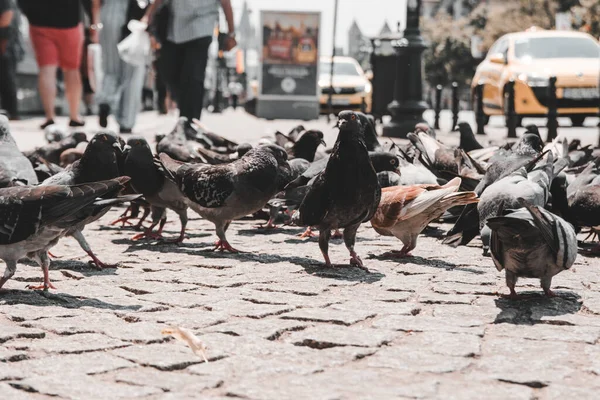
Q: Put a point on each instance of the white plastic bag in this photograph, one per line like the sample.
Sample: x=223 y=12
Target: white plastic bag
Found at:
x=135 y=48
x=94 y=66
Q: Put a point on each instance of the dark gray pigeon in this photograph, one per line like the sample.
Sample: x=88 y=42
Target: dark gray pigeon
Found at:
x=223 y=193
x=306 y=145
x=14 y=166
x=532 y=243
x=30 y=217
x=51 y=152
x=101 y=161
x=371 y=140
x=177 y=145
x=467 y=138
x=148 y=178
x=346 y=193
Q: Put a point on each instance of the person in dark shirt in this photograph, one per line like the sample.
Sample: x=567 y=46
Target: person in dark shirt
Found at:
x=11 y=52
x=56 y=34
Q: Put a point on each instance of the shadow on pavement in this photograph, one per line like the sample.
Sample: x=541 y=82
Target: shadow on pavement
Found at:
x=50 y=299
x=342 y=272
x=417 y=260
x=535 y=305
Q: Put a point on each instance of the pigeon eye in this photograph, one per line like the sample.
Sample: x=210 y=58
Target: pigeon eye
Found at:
x=353 y=117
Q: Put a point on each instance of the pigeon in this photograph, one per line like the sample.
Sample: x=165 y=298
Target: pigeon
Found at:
x=507 y=192
x=14 y=166
x=148 y=179
x=467 y=138
x=51 y=152
x=525 y=154
x=434 y=155
x=532 y=243
x=43 y=169
x=215 y=140
x=388 y=179
x=584 y=210
x=69 y=156
x=177 y=146
x=54 y=133
x=404 y=211
x=424 y=127
x=371 y=140
x=100 y=161
x=30 y=217
x=533 y=129
x=306 y=146
x=223 y=193
x=346 y=193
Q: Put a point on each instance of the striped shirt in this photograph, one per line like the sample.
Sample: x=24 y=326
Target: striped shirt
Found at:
x=192 y=19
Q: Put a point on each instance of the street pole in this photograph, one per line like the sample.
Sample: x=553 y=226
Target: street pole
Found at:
x=408 y=105
x=329 y=100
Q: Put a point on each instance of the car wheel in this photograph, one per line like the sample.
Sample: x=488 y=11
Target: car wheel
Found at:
x=577 y=120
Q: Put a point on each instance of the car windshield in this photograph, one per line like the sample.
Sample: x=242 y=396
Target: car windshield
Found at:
x=556 y=47
x=339 y=68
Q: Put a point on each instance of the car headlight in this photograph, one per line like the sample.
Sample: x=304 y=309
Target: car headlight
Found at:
x=533 y=79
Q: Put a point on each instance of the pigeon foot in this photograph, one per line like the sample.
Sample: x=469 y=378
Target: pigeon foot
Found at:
x=223 y=245
x=45 y=286
x=147 y=235
x=308 y=233
x=123 y=221
x=99 y=264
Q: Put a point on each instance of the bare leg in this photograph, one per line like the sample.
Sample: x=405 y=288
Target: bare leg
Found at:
x=73 y=90
x=511 y=281
x=47 y=86
x=222 y=244
x=546 y=283
x=11 y=268
x=349 y=240
x=86 y=247
x=45 y=263
x=324 y=236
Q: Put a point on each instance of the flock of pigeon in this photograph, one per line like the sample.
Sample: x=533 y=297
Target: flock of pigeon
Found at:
x=524 y=200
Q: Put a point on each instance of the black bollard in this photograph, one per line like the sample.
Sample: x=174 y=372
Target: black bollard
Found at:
x=454 y=106
x=552 y=124
x=511 y=116
x=438 y=106
x=363 y=106
x=480 y=116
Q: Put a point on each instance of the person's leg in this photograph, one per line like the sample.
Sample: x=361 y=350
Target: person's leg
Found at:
x=193 y=71
x=131 y=97
x=8 y=85
x=161 y=89
x=70 y=45
x=170 y=66
x=113 y=16
x=46 y=54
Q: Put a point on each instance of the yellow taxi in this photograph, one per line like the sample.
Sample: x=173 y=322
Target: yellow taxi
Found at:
x=530 y=58
x=351 y=86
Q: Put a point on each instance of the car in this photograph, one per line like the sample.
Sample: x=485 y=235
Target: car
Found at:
x=351 y=86
x=530 y=58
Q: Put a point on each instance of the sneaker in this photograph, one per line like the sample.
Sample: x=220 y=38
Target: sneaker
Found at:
x=76 y=124
x=47 y=123
x=103 y=112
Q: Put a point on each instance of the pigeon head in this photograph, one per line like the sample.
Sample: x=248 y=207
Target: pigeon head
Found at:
x=529 y=144
x=277 y=151
x=349 y=121
x=422 y=127
x=104 y=141
x=4 y=129
x=54 y=133
x=384 y=161
x=464 y=127
x=388 y=178
x=312 y=136
x=531 y=128
x=138 y=143
x=79 y=137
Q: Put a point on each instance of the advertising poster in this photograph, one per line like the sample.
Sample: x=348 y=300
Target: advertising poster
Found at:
x=290 y=54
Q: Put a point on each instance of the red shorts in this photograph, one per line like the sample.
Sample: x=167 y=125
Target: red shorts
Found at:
x=54 y=46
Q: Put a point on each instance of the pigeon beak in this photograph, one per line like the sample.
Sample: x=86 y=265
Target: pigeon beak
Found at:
x=126 y=148
x=117 y=146
x=323 y=142
x=397 y=170
x=341 y=123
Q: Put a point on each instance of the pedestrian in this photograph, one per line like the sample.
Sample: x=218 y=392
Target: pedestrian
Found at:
x=121 y=92
x=56 y=34
x=11 y=52
x=184 y=51
x=88 y=91
x=235 y=89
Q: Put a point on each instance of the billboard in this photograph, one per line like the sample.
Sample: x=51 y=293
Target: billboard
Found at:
x=290 y=55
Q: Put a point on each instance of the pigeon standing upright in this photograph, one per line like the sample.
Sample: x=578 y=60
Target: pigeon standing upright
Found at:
x=225 y=192
x=532 y=243
x=100 y=161
x=346 y=193
x=467 y=137
x=13 y=164
x=306 y=146
x=147 y=178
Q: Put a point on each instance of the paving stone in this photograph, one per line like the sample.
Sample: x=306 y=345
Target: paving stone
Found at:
x=80 y=343
x=547 y=332
x=189 y=299
x=408 y=358
x=240 y=308
x=10 y=393
x=170 y=356
x=343 y=317
x=176 y=381
x=266 y=328
x=320 y=337
x=437 y=298
x=86 y=387
x=449 y=344
x=489 y=390
x=422 y=323
x=10 y=330
x=71 y=364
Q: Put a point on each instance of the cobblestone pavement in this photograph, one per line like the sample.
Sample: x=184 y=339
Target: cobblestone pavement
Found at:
x=280 y=325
